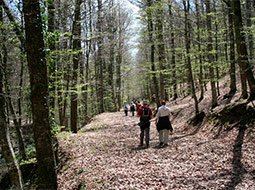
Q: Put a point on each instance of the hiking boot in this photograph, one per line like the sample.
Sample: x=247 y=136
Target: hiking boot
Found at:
x=160 y=144
x=147 y=146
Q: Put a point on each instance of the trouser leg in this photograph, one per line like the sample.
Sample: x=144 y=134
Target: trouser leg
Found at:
x=166 y=135
x=147 y=136
x=141 y=136
x=161 y=139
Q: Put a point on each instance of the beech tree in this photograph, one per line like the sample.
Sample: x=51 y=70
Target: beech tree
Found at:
x=245 y=67
x=172 y=41
x=39 y=95
x=161 y=46
x=100 y=61
x=52 y=61
x=198 y=23
x=232 y=70
x=209 y=52
x=152 y=50
x=186 y=5
x=76 y=59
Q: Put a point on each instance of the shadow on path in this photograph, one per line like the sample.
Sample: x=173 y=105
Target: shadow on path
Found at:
x=238 y=170
x=198 y=127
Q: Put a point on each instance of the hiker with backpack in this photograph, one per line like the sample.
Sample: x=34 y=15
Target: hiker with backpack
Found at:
x=145 y=114
x=132 y=108
x=163 y=124
x=125 y=108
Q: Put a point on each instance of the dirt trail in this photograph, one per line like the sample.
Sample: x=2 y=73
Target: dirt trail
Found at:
x=107 y=157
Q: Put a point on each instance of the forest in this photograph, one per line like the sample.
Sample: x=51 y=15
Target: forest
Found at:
x=68 y=66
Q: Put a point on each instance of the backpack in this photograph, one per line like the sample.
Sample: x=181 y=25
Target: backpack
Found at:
x=145 y=115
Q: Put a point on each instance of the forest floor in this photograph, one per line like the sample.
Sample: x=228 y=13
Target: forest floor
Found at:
x=105 y=154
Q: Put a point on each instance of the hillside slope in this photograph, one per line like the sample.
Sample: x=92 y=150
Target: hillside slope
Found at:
x=104 y=154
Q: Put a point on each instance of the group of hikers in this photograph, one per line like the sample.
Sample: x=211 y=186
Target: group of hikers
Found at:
x=134 y=106
x=162 y=121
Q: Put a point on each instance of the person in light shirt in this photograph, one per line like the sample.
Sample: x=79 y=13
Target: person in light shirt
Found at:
x=163 y=124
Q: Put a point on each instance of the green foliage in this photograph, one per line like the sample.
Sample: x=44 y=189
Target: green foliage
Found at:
x=63 y=135
x=31 y=155
x=30 y=151
x=109 y=104
x=56 y=129
x=83 y=185
x=31 y=160
x=94 y=127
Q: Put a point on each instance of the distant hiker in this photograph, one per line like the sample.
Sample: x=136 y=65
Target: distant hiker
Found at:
x=145 y=114
x=125 y=108
x=163 y=124
x=132 y=108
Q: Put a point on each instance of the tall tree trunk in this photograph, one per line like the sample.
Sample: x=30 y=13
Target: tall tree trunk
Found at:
x=119 y=62
x=224 y=11
x=244 y=94
x=249 y=25
x=199 y=50
x=88 y=51
x=85 y=96
x=203 y=40
x=152 y=52
x=76 y=58
x=161 y=47
x=96 y=69
x=100 y=58
x=65 y=71
x=232 y=52
x=173 y=63
x=62 y=97
x=67 y=77
x=47 y=178
x=20 y=90
x=242 y=49
x=21 y=57
x=112 y=28
x=5 y=144
x=59 y=93
x=59 y=69
x=210 y=55
x=216 y=49
x=187 y=44
x=111 y=69
x=85 y=88
x=118 y=72
x=52 y=64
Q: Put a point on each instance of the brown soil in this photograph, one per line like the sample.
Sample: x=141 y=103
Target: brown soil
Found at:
x=104 y=154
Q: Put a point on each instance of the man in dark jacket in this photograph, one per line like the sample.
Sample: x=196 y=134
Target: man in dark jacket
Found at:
x=145 y=114
x=163 y=124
